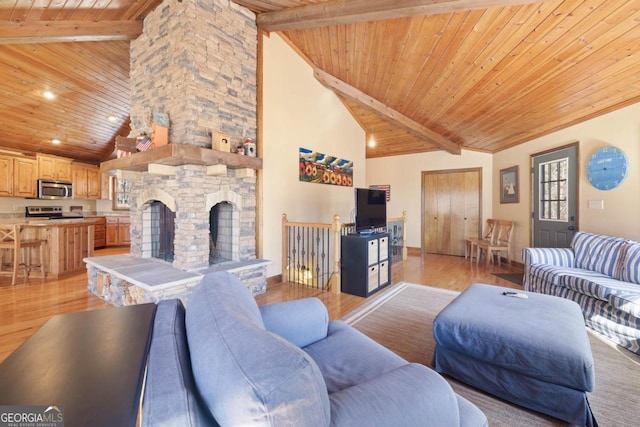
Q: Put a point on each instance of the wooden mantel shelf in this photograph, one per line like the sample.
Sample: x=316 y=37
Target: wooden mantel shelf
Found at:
x=179 y=155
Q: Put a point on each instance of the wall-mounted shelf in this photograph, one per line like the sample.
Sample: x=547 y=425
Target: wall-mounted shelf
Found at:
x=179 y=155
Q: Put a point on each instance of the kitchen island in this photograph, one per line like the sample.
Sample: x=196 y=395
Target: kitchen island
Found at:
x=69 y=241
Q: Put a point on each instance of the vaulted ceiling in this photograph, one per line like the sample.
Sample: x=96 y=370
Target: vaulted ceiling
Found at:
x=417 y=75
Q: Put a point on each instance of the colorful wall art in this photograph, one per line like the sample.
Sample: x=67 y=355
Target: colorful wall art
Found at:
x=323 y=169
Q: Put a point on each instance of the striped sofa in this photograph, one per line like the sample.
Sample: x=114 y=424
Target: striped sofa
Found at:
x=601 y=274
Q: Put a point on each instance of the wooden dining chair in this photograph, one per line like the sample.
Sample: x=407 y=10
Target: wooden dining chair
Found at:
x=470 y=244
x=502 y=241
x=19 y=249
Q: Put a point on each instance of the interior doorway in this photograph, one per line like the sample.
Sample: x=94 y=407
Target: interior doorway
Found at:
x=555 y=197
x=451 y=209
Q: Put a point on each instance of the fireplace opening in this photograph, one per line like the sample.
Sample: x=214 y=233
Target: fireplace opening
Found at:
x=221 y=233
x=162 y=231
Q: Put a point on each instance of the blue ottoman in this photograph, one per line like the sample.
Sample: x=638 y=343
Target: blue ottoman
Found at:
x=533 y=352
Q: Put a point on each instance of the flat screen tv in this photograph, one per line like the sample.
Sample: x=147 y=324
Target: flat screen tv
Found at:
x=371 y=209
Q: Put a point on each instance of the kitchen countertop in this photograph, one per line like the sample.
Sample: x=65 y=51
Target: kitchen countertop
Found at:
x=43 y=221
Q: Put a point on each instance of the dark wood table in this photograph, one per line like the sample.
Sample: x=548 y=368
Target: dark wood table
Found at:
x=90 y=363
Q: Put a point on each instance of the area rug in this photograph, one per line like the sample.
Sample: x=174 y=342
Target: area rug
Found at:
x=511 y=277
x=401 y=319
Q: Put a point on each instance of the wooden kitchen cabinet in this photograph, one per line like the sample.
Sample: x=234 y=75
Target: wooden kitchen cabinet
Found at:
x=68 y=243
x=17 y=176
x=24 y=169
x=118 y=228
x=6 y=176
x=100 y=231
x=54 y=168
x=86 y=181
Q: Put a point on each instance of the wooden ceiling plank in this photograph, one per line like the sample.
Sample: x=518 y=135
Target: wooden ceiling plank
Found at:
x=409 y=62
x=448 y=43
x=363 y=46
x=33 y=62
x=425 y=101
x=20 y=10
x=520 y=65
x=62 y=31
x=37 y=9
x=600 y=92
x=138 y=10
x=424 y=60
x=80 y=113
x=68 y=10
x=350 y=92
x=461 y=118
x=262 y=6
x=577 y=61
x=490 y=40
x=349 y=11
x=396 y=36
x=521 y=72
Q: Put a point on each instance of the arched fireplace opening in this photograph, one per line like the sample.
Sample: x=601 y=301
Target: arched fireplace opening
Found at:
x=162 y=231
x=221 y=233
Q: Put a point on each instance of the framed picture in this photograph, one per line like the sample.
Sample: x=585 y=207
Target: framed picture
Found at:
x=321 y=168
x=509 y=186
x=121 y=193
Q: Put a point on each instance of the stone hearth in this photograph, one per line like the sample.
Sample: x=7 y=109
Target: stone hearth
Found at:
x=125 y=279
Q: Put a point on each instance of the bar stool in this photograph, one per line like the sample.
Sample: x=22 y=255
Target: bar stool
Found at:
x=10 y=239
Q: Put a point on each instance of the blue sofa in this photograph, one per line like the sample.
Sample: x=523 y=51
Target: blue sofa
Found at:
x=600 y=273
x=226 y=361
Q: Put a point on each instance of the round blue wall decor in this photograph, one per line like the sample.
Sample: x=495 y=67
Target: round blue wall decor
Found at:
x=607 y=168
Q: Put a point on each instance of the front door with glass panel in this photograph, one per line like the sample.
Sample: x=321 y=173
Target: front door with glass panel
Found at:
x=555 y=213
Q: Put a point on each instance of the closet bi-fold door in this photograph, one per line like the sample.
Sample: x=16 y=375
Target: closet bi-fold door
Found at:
x=450 y=209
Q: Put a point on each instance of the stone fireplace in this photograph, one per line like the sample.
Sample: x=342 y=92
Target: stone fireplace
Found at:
x=194 y=209
x=195 y=199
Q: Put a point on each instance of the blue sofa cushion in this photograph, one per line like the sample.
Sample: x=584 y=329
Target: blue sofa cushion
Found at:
x=385 y=402
x=592 y=284
x=623 y=296
x=245 y=374
x=170 y=396
x=361 y=360
x=627 y=301
x=301 y=322
x=630 y=264
x=554 y=274
x=597 y=253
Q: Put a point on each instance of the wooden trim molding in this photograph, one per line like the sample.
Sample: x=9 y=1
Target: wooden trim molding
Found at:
x=68 y=31
x=344 y=89
x=349 y=11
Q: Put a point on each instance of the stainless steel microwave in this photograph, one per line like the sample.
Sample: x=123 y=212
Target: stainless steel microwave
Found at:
x=54 y=189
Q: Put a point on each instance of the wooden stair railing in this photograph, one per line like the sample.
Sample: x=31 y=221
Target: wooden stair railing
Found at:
x=311 y=251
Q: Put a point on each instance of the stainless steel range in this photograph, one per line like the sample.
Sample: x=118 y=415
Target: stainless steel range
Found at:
x=50 y=212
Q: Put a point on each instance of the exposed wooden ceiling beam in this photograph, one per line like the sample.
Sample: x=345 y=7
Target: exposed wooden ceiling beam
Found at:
x=67 y=31
x=389 y=113
x=347 y=11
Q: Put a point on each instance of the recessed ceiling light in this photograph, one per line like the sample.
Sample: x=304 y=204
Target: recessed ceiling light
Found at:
x=113 y=118
x=56 y=141
x=372 y=143
x=49 y=95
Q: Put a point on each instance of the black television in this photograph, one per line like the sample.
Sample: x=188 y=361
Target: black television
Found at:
x=371 y=210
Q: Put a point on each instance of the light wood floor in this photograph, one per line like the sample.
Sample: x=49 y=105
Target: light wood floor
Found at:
x=25 y=307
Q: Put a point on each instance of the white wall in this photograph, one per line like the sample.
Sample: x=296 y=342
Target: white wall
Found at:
x=619 y=217
x=300 y=112
x=404 y=174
